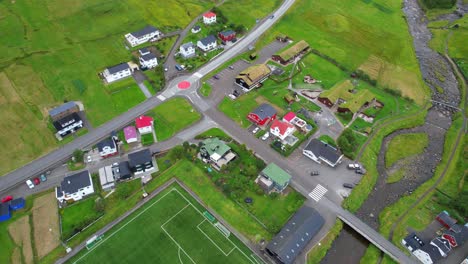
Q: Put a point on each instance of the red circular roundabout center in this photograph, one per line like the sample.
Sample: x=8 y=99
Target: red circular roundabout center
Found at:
x=183 y=85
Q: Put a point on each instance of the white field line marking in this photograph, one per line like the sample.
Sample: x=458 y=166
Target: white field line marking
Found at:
x=180 y=259
x=180 y=211
x=225 y=254
x=247 y=257
x=131 y=220
x=256 y=260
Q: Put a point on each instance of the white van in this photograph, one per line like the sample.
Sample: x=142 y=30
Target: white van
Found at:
x=30 y=184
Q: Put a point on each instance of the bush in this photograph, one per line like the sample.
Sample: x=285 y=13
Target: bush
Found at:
x=433 y=4
x=78 y=155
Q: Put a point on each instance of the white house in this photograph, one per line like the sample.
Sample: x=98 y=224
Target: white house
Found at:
x=75 y=187
x=139 y=37
x=282 y=130
x=144 y=124
x=209 y=18
x=117 y=72
x=147 y=59
x=196 y=29
x=107 y=148
x=68 y=124
x=319 y=151
x=187 y=50
x=207 y=43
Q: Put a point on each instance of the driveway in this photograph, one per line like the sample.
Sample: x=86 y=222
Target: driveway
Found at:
x=139 y=78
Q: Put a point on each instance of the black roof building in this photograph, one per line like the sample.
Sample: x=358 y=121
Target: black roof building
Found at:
x=432 y=251
x=72 y=183
x=118 y=68
x=140 y=157
x=411 y=243
x=148 y=57
x=122 y=171
x=108 y=142
x=323 y=150
x=295 y=235
x=264 y=111
x=208 y=40
x=145 y=31
x=66 y=121
x=62 y=108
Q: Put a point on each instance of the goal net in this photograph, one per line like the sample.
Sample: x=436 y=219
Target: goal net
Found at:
x=223 y=229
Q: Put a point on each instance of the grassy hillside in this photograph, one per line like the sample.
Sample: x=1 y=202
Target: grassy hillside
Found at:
x=371 y=35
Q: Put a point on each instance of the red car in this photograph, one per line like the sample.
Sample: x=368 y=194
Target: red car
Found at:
x=36 y=181
x=7 y=199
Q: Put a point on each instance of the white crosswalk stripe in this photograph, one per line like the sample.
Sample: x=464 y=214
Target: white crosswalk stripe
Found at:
x=161 y=97
x=198 y=75
x=318 y=192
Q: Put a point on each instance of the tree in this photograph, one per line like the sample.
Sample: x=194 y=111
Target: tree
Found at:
x=99 y=205
x=78 y=155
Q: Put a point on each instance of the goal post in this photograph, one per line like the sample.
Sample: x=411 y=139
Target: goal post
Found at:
x=223 y=229
x=90 y=243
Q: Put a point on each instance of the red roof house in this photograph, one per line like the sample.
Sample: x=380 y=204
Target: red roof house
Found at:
x=282 y=129
x=209 y=18
x=144 y=124
x=289 y=117
x=262 y=115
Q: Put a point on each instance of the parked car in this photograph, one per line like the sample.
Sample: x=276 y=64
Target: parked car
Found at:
x=314 y=173
x=348 y=185
x=30 y=184
x=166 y=69
x=255 y=130
x=353 y=166
x=236 y=93
x=265 y=137
x=272 y=16
x=7 y=199
x=178 y=67
x=43 y=178
x=233 y=97
x=88 y=159
x=361 y=171
x=36 y=181
x=216 y=77
x=231 y=67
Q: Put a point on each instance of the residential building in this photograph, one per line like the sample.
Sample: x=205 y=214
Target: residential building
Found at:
x=291 y=53
x=227 y=35
x=130 y=134
x=196 y=29
x=144 y=124
x=117 y=72
x=68 y=124
x=75 y=187
x=319 y=151
x=106 y=177
x=281 y=129
x=262 y=115
x=121 y=171
x=273 y=178
x=216 y=152
x=289 y=117
x=5 y=212
x=297 y=122
x=444 y=219
x=187 y=50
x=141 y=162
x=209 y=18
x=410 y=242
x=207 y=43
x=147 y=59
x=295 y=235
x=142 y=36
x=63 y=110
x=253 y=76
x=107 y=148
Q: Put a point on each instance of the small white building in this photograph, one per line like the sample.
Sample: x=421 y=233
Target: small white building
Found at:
x=147 y=59
x=68 y=124
x=187 y=50
x=106 y=177
x=207 y=43
x=142 y=36
x=75 y=187
x=117 y=72
x=196 y=29
x=144 y=124
x=209 y=18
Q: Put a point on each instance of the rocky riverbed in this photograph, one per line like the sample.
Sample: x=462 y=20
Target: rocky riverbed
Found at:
x=438 y=75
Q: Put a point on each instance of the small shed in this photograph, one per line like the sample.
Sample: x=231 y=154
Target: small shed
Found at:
x=5 y=213
x=17 y=204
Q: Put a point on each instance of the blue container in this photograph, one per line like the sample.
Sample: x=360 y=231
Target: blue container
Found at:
x=5 y=213
x=17 y=204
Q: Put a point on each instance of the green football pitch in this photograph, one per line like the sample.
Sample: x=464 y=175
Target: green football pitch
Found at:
x=171 y=228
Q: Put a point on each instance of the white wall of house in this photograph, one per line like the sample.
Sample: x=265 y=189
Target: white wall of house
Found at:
x=208 y=47
x=107 y=150
x=76 y=196
x=423 y=256
x=134 y=41
x=275 y=131
x=145 y=130
x=187 y=52
x=209 y=20
x=65 y=130
x=149 y=63
x=311 y=155
x=116 y=76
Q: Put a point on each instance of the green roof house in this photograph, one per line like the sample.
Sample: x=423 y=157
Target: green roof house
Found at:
x=216 y=152
x=273 y=178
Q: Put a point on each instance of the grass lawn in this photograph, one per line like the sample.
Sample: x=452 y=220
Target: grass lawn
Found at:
x=214 y=132
x=56 y=52
x=175 y=222
x=318 y=252
x=405 y=145
x=245 y=12
x=348 y=33
x=328 y=139
x=173 y=116
x=206 y=89
x=396 y=176
x=78 y=215
x=239 y=109
x=147 y=139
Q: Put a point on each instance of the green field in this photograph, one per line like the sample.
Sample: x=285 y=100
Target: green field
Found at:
x=175 y=230
x=405 y=145
x=172 y=116
x=349 y=32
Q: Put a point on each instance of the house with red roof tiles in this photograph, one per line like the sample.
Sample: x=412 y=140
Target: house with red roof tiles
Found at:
x=282 y=129
x=144 y=124
x=209 y=18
